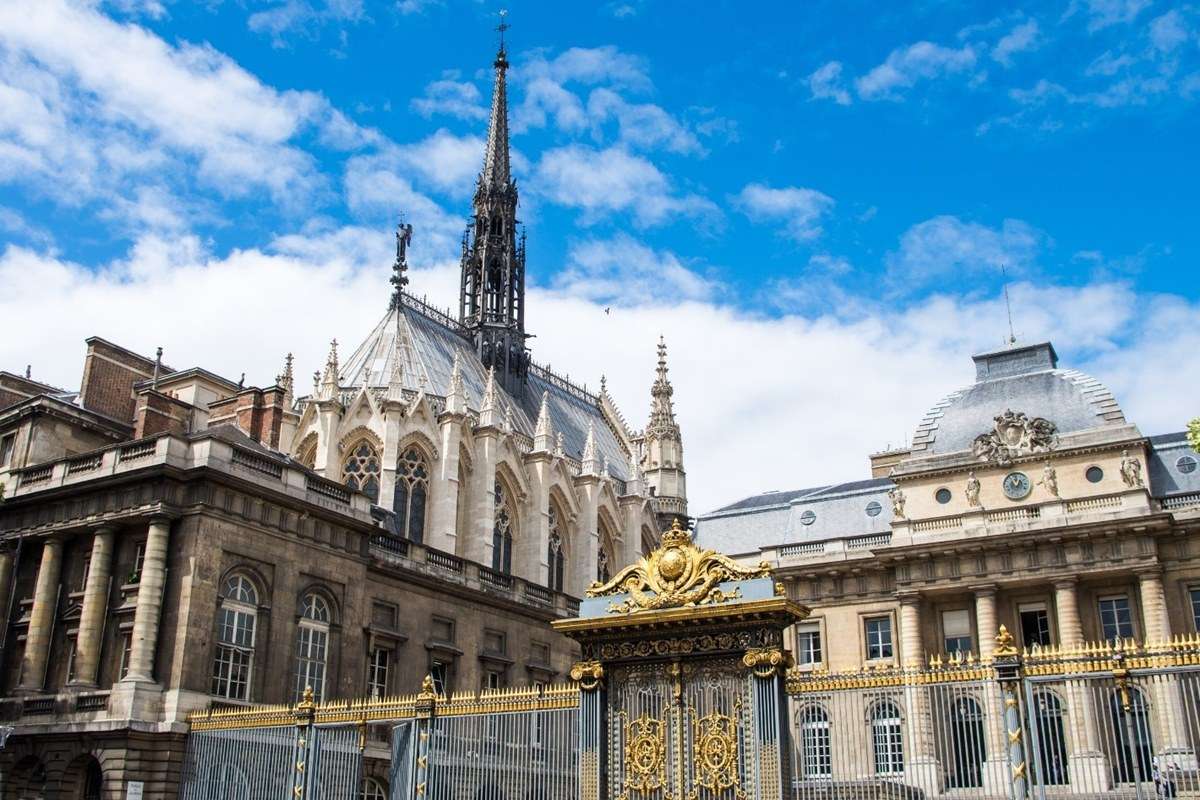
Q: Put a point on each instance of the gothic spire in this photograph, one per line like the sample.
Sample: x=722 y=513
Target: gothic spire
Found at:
x=662 y=411
x=590 y=463
x=329 y=380
x=287 y=381
x=456 y=398
x=495 y=174
x=541 y=431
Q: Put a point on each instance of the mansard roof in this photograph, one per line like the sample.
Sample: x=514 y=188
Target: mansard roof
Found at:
x=425 y=341
x=1025 y=379
x=798 y=517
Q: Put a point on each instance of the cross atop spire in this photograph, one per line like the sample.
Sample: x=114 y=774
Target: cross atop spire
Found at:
x=502 y=27
x=399 y=279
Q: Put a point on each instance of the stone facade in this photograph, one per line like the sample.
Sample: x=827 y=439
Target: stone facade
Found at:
x=171 y=540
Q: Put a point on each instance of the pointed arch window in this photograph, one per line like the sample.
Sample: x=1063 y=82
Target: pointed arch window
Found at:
x=555 y=557
x=312 y=646
x=237 y=619
x=412 y=490
x=360 y=470
x=502 y=532
x=307 y=452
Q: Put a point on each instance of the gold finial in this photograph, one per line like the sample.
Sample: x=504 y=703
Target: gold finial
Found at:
x=428 y=688
x=1005 y=644
x=678 y=535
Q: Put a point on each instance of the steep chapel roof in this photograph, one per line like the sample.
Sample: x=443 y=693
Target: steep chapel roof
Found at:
x=424 y=342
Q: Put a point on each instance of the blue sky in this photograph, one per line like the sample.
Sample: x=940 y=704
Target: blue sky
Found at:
x=831 y=185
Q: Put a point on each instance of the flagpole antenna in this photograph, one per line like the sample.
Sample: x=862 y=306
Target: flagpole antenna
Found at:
x=1012 y=337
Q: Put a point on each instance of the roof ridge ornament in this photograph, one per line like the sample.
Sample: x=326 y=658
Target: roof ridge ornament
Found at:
x=677 y=574
x=1015 y=434
x=399 y=279
x=541 y=431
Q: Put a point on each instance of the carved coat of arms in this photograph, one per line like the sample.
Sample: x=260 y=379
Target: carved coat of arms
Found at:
x=1015 y=434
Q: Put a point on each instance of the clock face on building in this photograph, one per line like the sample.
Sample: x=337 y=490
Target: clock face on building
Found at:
x=1017 y=485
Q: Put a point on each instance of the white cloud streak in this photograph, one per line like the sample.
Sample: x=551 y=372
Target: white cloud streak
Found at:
x=798 y=210
x=905 y=66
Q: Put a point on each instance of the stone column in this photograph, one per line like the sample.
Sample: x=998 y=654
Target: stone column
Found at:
x=148 y=614
x=985 y=619
x=41 y=620
x=442 y=532
x=1086 y=765
x=478 y=546
x=95 y=605
x=1066 y=605
x=1166 y=694
x=1157 y=627
x=586 y=541
x=912 y=654
x=6 y=574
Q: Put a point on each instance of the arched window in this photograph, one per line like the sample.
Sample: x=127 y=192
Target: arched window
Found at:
x=372 y=789
x=815 y=756
x=312 y=646
x=1134 y=755
x=237 y=618
x=1051 y=741
x=966 y=732
x=361 y=470
x=555 y=558
x=502 y=532
x=886 y=739
x=412 y=488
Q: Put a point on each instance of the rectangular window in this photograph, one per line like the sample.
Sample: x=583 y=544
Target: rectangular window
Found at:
x=126 y=649
x=1116 y=621
x=71 y=651
x=879 y=637
x=235 y=652
x=1195 y=595
x=311 y=646
x=1035 y=625
x=441 y=676
x=442 y=630
x=139 y=556
x=808 y=643
x=493 y=679
x=87 y=567
x=539 y=653
x=377 y=672
x=494 y=642
x=956 y=630
x=6 y=449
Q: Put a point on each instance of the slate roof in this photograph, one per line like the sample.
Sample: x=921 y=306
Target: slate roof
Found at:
x=1025 y=379
x=1169 y=460
x=432 y=340
x=779 y=518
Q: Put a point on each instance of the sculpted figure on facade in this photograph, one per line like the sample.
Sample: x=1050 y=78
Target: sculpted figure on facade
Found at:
x=1015 y=434
x=1131 y=470
x=1049 y=480
x=972 y=489
x=897 y=497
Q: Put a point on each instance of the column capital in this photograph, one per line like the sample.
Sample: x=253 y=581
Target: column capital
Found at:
x=908 y=598
x=1069 y=582
x=103 y=527
x=984 y=589
x=1154 y=572
x=162 y=518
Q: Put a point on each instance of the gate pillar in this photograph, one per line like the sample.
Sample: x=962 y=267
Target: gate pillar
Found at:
x=682 y=679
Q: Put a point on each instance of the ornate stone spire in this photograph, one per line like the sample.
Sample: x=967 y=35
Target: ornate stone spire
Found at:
x=287 y=382
x=558 y=445
x=456 y=397
x=509 y=423
x=329 y=379
x=662 y=410
x=487 y=407
x=541 y=431
x=589 y=463
x=633 y=485
x=492 y=292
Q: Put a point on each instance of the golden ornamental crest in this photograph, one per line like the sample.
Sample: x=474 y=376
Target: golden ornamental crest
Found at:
x=675 y=575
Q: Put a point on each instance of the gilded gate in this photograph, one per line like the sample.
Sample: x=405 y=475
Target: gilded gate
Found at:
x=683 y=679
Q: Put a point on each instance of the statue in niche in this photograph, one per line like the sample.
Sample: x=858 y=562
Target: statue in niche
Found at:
x=1049 y=480
x=1131 y=470
x=896 y=495
x=972 y=489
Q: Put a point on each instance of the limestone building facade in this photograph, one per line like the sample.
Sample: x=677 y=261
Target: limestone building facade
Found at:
x=1027 y=499
x=171 y=539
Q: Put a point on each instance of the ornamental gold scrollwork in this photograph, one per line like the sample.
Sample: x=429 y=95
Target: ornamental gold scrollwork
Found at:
x=645 y=756
x=588 y=674
x=766 y=662
x=715 y=756
x=675 y=575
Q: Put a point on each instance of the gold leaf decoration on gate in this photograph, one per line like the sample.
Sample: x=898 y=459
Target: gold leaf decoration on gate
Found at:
x=715 y=755
x=676 y=574
x=645 y=756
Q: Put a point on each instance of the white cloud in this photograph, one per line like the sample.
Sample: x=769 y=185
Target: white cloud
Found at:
x=1105 y=13
x=600 y=182
x=589 y=66
x=799 y=378
x=303 y=17
x=448 y=95
x=448 y=162
x=1023 y=37
x=625 y=271
x=826 y=84
x=378 y=193
x=799 y=209
x=907 y=65
x=1169 y=31
x=642 y=125
x=946 y=245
